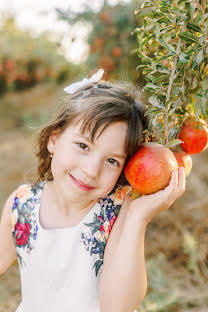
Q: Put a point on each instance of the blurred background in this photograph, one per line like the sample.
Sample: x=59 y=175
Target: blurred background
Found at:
x=44 y=46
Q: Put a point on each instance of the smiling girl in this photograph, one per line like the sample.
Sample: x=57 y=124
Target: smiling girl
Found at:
x=77 y=234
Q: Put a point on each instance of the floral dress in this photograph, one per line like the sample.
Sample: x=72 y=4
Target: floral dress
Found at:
x=60 y=268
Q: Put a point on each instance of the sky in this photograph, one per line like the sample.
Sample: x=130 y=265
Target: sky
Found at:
x=39 y=16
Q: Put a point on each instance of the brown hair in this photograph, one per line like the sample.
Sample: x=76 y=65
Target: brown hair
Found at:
x=98 y=105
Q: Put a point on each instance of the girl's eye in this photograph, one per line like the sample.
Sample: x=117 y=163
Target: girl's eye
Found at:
x=82 y=145
x=112 y=161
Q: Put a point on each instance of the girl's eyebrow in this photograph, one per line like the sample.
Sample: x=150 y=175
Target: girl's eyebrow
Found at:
x=89 y=140
x=119 y=156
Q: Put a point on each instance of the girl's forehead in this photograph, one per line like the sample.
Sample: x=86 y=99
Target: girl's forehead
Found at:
x=114 y=127
x=111 y=141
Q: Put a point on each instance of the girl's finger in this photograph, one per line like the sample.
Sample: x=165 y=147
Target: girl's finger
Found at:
x=171 y=188
x=174 y=180
x=182 y=180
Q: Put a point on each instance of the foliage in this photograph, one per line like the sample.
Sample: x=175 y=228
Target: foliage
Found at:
x=160 y=296
x=173 y=47
x=26 y=61
x=110 y=39
x=165 y=296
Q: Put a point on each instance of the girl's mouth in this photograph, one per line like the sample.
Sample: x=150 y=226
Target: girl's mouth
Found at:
x=80 y=184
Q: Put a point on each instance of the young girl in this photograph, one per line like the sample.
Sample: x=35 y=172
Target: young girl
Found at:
x=77 y=234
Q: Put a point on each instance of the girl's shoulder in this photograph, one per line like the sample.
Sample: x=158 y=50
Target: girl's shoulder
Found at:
x=26 y=191
x=111 y=204
x=118 y=194
x=25 y=199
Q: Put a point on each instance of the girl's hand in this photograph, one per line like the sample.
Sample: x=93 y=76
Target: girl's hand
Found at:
x=148 y=206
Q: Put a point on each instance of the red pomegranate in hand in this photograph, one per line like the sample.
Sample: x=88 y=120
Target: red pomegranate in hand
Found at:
x=194 y=134
x=149 y=169
x=183 y=159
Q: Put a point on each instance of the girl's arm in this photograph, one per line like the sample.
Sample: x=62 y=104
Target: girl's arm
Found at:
x=7 y=248
x=123 y=281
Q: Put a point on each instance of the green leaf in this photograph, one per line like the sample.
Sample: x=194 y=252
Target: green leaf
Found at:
x=204 y=83
x=166 y=30
x=151 y=110
x=166 y=45
x=164 y=10
x=136 y=30
x=155 y=79
x=164 y=4
x=146 y=71
x=140 y=66
x=184 y=58
x=192 y=9
x=188 y=37
x=177 y=11
x=146 y=3
x=143 y=57
x=181 y=1
x=162 y=69
x=192 y=49
x=174 y=142
x=188 y=8
x=97 y=266
x=151 y=86
x=197 y=114
x=21 y=219
x=133 y=51
x=202 y=18
x=172 y=132
x=148 y=78
x=144 y=12
x=199 y=57
x=157 y=31
x=191 y=104
x=203 y=106
x=173 y=35
x=164 y=57
x=175 y=90
x=174 y=106
x=162 y=20
x=156 y=102
x=147 y=39
x=159 y=126
x=193 y=26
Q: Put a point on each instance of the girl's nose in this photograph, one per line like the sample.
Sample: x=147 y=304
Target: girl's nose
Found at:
x=92 y=168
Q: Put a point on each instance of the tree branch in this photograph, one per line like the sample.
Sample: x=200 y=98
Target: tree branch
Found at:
x=170 y=85
x=200 y=7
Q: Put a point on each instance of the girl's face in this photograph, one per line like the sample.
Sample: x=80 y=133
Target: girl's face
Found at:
x=97 y=164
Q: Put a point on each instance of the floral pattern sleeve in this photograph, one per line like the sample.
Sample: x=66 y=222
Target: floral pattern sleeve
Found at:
x=23 y=221
x=96 y=237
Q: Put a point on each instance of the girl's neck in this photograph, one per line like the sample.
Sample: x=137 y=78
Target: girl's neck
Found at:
x=62 y=204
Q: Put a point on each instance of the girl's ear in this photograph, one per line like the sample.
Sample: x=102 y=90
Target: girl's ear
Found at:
x=52 y=140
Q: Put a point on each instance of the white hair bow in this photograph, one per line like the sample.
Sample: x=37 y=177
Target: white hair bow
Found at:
x=72 y=88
